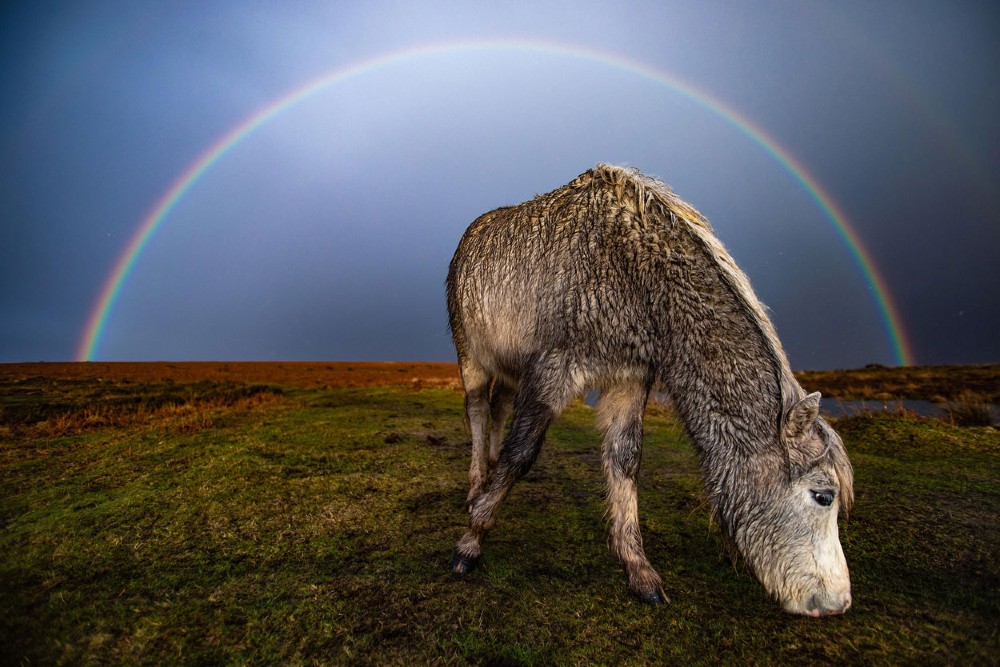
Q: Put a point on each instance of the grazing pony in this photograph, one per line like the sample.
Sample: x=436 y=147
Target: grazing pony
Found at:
x=613 y=282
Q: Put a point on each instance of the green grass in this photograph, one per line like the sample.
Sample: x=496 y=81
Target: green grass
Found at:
x=317 y=528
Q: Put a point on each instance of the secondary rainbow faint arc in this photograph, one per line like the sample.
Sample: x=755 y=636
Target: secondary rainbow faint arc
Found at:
x=97 y=321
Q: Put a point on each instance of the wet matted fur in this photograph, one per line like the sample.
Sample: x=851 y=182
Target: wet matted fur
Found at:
x=612 y=281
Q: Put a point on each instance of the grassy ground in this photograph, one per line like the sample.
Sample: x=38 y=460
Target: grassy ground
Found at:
x=219 y=524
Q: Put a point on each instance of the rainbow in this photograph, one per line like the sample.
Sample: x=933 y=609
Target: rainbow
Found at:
x=104 y=305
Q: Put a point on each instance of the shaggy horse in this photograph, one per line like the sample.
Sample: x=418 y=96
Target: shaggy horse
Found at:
x=613 y=282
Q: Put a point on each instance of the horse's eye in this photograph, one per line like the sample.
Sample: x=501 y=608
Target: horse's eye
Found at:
x=823 y=497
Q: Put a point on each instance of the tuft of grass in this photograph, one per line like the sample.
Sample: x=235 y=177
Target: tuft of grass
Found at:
x=318 y=529
x=970 y=409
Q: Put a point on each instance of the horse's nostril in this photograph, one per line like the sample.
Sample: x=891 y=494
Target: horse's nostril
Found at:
x=824 y=605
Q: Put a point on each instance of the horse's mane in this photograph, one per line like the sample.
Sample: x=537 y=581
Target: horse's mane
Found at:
x=653 y=197
x=648 y=196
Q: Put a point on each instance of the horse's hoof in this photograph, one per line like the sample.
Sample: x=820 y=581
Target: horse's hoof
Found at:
x=462 y=564
x=653 y=596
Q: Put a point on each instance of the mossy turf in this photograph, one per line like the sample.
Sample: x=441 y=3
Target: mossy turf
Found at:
x=318 y=529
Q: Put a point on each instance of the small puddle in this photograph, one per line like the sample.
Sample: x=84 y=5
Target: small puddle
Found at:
x=834 y=407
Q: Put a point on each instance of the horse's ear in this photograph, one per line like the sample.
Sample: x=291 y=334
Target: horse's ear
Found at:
x=798 y=421
x=800 y=417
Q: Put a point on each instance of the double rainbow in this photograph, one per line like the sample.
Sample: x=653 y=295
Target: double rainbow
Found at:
x=98 y=320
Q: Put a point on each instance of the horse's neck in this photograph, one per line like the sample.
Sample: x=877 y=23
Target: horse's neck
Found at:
x=724 y=368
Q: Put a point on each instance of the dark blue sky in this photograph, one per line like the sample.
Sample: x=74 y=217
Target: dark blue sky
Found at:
x=326 y=232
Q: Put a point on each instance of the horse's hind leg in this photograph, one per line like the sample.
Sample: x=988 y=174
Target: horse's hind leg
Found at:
x=543 y=393
x=501 y=405
x=477 y=411
x=619 y=416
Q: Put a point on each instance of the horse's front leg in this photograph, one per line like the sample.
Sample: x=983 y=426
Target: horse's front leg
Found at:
x=619 y=415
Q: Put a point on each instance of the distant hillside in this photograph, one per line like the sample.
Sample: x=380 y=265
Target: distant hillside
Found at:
x=882 y=383
x=306 y=374
x=922 y=383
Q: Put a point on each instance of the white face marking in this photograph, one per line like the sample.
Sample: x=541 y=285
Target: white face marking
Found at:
x=819 y=581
